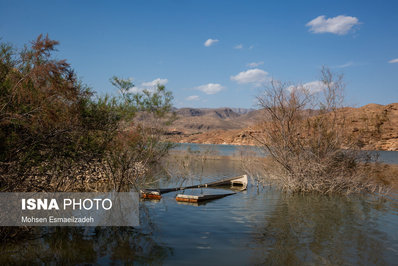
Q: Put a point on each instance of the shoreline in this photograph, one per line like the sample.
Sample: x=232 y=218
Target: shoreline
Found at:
x=254 y=145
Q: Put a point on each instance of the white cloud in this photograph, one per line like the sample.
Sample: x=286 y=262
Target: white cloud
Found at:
x=312 y=87
x=393 y=61
x=239 y=46
x=155 y=82
x=210 y=42
x=149 y=85
x=211 y=88
x=255 y=76
x=255 y=64
x=338 y=25
x=192 y=98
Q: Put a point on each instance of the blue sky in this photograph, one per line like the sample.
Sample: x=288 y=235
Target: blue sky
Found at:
x=248 y=43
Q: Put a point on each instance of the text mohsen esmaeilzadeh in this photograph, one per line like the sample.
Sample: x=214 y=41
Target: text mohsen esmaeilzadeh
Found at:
x=69 y=209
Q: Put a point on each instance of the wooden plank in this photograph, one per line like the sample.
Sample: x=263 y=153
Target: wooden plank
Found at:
x=200 y=198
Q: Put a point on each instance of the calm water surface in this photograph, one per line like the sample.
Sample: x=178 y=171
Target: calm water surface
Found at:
x=389 y=157
x=257 y=226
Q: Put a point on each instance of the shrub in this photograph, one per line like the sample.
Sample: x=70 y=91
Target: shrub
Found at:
x=55 y=135
x=304 y=134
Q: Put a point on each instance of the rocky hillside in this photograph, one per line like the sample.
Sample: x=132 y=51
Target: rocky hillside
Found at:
x=377 y=126
x=202 y=120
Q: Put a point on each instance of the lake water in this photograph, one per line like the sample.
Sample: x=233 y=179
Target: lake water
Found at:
x=389 y=157
x=258 y=226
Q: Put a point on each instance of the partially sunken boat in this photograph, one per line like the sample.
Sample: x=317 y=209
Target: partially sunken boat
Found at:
x=156 y=193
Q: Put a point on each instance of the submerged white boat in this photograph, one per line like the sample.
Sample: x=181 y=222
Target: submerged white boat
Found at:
x=155 y=193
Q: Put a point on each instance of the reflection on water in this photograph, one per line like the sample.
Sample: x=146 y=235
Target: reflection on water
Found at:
x=88 y=245
x=257 y=226
x=331 y=230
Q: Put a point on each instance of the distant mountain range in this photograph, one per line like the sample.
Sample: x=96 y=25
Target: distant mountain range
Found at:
x=199 y=120
x=376 y=124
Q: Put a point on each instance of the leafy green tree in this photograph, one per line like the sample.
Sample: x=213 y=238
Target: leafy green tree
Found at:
x=51 y=124
x=139 y=144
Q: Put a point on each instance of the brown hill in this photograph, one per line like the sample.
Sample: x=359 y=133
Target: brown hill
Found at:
x=377 y=126
x=200 y=120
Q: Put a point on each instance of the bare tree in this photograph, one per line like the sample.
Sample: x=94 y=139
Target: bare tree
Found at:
x=303 y=132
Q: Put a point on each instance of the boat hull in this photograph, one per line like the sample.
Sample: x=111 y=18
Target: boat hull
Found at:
x=152 y=193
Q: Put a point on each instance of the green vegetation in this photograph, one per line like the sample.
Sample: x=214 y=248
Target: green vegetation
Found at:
x=57 y=135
